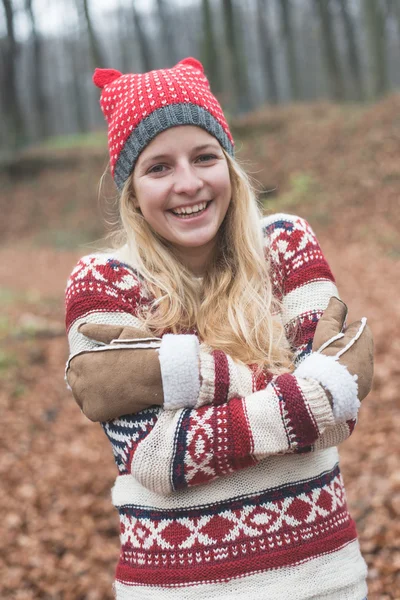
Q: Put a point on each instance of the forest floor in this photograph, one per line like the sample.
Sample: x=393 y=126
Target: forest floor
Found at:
x=338 y=167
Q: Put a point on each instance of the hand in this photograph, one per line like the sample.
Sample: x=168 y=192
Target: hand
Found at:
x=112 y=382
x=359 y=357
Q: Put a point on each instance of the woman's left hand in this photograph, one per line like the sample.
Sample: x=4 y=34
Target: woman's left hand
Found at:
x=112 y=381
x=354 y=344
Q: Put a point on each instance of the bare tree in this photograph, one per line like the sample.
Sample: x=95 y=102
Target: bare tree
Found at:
x=329 y=50
x=235 y=57
x=124 y=36
x=352 y=51
x=39 y=96
x=12 y=108
x=145 y=53
x=98 y=58
x=75 y=91
x=13 y=112
x=375 y=27
x=287 y=29
x=167 y=35
x=266 y=49
x=393 y=8
x=209 y=48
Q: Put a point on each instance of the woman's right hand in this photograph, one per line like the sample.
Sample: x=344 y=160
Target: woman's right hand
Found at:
x=125 y=378
x=358 y=358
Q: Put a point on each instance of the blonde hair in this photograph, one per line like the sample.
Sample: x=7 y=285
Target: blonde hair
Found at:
x=234 y=308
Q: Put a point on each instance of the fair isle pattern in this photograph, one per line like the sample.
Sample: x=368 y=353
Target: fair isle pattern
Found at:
x=259 y=512
x=209 y=541
x=205 y=448
x=213 y=441
x=100 y=283
x=126 y=433
x=298 y=261
x=307 y=580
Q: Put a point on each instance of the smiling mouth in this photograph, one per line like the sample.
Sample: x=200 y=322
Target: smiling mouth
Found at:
x=195 y=211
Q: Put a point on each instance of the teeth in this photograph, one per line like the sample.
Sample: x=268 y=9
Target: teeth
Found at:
x=188 y=210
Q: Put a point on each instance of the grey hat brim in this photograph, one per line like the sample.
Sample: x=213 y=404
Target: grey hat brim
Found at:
x=161 y=119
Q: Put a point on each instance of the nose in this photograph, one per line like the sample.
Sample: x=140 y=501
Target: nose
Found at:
x=187 y=180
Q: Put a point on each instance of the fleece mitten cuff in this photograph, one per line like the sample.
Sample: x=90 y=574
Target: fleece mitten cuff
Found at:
x=335 y=378
x=180 y=371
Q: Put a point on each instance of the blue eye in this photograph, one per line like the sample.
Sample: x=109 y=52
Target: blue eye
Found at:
x=206 y=157
x=156 y=169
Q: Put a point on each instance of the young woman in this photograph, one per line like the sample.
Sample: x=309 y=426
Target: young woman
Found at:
x=195 y=343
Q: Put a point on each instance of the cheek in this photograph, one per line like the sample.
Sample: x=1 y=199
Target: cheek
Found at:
x=223 y=182
x=218 y=180
x=225 y=189
x=150 y=197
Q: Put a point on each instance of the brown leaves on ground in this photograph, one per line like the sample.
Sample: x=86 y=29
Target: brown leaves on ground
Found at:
x=59 y=532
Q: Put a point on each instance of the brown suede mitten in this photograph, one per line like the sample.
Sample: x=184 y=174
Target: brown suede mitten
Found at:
x=111 y=382
x=359 y=357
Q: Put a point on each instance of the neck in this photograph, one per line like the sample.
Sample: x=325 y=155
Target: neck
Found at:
x=197 y=259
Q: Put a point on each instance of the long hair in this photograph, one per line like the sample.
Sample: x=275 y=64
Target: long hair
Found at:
x=233 y=308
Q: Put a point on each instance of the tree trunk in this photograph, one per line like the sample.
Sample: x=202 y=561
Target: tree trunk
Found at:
x=394 y=6
x=124 y=37
x=290 y=48
x=267 y=52
x=375 y=26
x=330 y=51
x=209 y=50
x=167 y=36
x=145 y=53
x=13 y=113
x=39 y=96
x=239 y=79
x=98 y=59
x=77 y=86
x=354 y=60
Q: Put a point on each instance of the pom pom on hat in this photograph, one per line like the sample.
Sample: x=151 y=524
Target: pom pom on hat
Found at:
x=102 y=77
x=192 y=62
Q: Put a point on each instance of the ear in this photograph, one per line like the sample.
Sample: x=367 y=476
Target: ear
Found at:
x=134 y=200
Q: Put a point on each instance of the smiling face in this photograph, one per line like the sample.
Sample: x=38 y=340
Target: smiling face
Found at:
x=182 y=187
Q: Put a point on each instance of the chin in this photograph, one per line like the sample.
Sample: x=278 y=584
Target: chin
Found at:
x=196 y=242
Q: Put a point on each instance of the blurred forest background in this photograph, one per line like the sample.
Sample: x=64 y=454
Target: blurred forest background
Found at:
x=254 y=52
x=311 y=91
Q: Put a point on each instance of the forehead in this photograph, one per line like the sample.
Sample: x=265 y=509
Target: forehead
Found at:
x=178 y=138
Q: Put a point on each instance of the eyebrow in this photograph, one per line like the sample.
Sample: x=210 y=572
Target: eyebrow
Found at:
x=157 y=157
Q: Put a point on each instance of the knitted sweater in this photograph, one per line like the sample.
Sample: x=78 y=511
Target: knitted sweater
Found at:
x=235 y=490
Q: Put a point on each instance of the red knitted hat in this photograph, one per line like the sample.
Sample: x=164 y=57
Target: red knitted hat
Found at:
x=137 y=107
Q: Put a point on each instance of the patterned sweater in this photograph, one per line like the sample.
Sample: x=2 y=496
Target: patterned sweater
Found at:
x=236 y=493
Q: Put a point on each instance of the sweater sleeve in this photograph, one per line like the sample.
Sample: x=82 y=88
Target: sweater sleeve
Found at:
x=101 y=289
x=304 y=283
x=194 y=446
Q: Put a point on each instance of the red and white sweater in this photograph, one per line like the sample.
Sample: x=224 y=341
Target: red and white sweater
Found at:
x=233 y=489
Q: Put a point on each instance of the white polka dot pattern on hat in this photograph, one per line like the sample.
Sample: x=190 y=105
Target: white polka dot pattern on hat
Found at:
x=129 y=99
